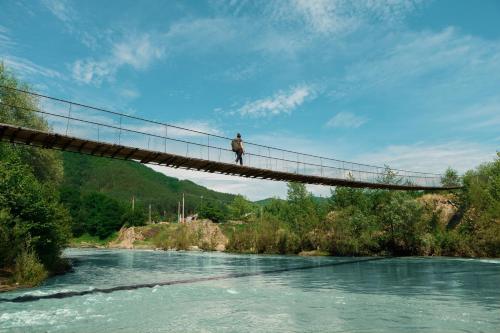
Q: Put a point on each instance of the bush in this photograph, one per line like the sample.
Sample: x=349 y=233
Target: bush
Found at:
x=176 y=236
x=133 y=218
x=213 y=212
x=100 y=215
x=28 y=270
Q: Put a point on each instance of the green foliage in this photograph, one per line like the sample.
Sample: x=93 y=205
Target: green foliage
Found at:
x=400 y=217
x=266 y=235
x=213 y=211
x=344 y=197
x=367 y=222
x=450 y=178
x=172 y=238
x=389 y=176
x=29 y=210
x=46 y=164
x=133 y=218
x=122 y=180
x=240 y=208
x=28 y=270
x=86 y=239
x=302 y=210
x=481 y=201
x=100 y=215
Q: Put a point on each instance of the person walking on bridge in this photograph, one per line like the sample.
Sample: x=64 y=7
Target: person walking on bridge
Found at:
x=237 y=147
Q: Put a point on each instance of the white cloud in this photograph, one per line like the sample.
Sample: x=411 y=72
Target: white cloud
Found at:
x=478 y=116
x=341 y=16
x=237 y=73
x=27 y=69
x=5 y=40
x=421 y=157
x=458 y=64
x=346 y=120
x=280 y=102
x=129 y=93
x=138 y=51
x=92 y=71
x=203 y=34
x=59 y=8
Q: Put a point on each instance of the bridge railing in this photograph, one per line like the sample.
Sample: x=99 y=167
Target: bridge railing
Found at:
x=91 y=123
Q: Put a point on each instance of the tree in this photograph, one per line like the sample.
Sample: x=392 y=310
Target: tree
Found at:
x=101 y=215
x=240 y=207
x=302 y=211
x=16 y=108
x=343 y=197
x=212 y=212
x=389 y=176
x=450 y=178
x=31 y=217
x=134 y=218
x=400 y=217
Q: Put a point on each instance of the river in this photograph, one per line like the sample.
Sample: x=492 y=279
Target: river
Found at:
x=156 y=291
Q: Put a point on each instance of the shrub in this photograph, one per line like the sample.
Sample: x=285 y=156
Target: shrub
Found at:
x=28 y=270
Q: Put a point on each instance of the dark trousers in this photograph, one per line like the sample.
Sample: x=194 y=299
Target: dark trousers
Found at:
x=239 y=157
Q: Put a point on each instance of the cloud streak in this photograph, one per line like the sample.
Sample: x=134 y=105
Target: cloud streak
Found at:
x=422 y=157
x=282 y=102
x=5 y=40
x=346 y=120
x=334 y=17
x=137 y=51
x=27 y=69
x=60 y=9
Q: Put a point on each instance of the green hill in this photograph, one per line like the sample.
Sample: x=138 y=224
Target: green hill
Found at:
x=122 y=180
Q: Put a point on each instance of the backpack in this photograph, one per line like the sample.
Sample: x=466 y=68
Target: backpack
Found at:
x=235 y=145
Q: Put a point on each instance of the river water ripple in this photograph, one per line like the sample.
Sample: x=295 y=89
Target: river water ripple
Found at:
x=156 y=291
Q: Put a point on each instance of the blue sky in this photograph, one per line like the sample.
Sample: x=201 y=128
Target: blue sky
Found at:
x=412 y=84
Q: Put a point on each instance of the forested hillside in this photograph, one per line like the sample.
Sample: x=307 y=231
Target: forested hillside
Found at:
x=99 y=191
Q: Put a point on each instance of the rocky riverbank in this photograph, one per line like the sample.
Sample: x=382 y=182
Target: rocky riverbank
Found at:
x=196 y=235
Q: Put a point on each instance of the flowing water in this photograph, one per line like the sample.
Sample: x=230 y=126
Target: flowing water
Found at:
x=156 y=291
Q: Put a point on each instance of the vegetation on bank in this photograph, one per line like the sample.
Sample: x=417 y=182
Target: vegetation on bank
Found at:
x=462 y=222
x=34 y=225
x=380 y=222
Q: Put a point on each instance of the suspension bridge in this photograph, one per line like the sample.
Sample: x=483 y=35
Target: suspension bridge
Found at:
x=95 y=131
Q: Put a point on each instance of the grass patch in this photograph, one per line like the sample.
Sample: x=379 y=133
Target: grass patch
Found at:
x=87 y=239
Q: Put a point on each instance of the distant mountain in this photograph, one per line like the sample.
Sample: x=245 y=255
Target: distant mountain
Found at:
x=122 y=180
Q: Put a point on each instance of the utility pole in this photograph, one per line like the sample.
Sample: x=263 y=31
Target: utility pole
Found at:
x=149 y=213
x=178 y=211
x=201 y=202
x=183 y=210
x=133 y=203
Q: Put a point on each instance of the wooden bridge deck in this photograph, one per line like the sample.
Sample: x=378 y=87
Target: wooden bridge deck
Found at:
x=27 y=136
